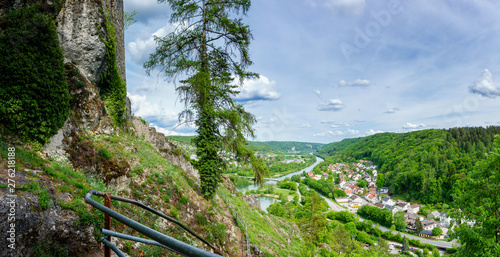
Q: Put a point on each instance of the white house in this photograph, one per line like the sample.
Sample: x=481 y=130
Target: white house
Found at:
x=342 y=183
x=444 y=218
x=414 y=208
x=342 y=199
x=372 y=198
x=402 y=206
x=429 y=224
x=384 y=190
x=433 y=214
x=388 y=201
x=391 y=208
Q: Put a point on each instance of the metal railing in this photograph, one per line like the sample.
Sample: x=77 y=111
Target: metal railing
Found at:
x=158 y=238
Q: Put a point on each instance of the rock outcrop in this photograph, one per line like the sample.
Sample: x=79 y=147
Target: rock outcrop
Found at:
x=161 y=144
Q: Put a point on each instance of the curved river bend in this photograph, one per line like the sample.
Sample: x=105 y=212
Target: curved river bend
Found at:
x=266 y=201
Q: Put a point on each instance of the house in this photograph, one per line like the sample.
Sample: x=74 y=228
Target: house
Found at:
x=411 y=218
x=402 y=206
x=414 y=208
x=374 y=173
x=433 y=215
x=379 y=205
x=429 y=224
x=372 y=190
x=342 y=183
x=311 y=175
x=428 y=234
x=342 y=199
x=387 y=201
x=391 y=208
x=372 y=198
x=348 y=192
x=356 y=201
x=384 y=190
x=444 y=218
x=372 y=184
x=325 y=175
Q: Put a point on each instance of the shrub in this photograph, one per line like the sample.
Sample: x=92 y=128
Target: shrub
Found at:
x=44 y=199
x=34 y=96
x=184 y=199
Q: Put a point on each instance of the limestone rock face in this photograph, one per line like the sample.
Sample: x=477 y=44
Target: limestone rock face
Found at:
x=253 y=201
x=160 y=143
x=80 y=24
x=33 y=224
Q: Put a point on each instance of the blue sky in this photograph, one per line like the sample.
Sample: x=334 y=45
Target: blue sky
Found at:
x=335 y=69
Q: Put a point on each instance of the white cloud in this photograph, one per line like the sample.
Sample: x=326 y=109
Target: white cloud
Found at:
x=305 y=125
x=355 y=83
x=332 y=105
x=335 y=124
x=152 y=113
x=393 y=110
x=373 y=132
x=141 y=48
x=258 y=89
x=414 y=126
x=484 y=86
x=167 y=132
x=316 y=91
x=330 y=133
x=346 y=6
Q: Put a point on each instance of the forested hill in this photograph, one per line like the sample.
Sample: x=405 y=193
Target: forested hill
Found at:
x=422 y=165
x=270 y=146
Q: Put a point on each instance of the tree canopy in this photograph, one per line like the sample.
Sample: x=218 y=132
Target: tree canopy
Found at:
x=206 y=56
x=479 y=201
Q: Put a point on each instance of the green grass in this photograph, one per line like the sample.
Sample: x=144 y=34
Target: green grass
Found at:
x=271 y=234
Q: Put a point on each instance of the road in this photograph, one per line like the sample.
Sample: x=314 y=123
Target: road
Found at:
x=442 y=244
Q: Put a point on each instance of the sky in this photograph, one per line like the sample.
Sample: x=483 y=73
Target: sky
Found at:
x=335 y=69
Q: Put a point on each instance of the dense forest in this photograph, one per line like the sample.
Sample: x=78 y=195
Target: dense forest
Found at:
x=422 y=165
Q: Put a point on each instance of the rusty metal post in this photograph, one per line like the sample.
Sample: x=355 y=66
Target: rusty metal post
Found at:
x=107 y=222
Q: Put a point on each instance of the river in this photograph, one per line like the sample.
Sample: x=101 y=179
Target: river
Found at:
x=266 y=201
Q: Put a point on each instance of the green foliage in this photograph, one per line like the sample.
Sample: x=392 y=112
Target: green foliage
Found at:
x=204 y=50
x=44 y=199
x=201 y=219
x=477 y=196
x=47 y=249
x=374 y=213
x=105 y=153
x=287 y=185
x=129 y=19
x=423 y=165
x=184 y=199
x=174 y=212
x=399 y=221
x=437 y=231
x=34 y=97
x=344 y=216
x=113 y=88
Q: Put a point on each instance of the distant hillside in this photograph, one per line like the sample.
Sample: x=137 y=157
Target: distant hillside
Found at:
x=423 y=164
x=271 y=146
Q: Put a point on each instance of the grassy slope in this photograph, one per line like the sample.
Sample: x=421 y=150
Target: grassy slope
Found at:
x=157 y=183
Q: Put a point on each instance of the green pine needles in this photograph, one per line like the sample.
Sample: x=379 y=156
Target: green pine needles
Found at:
x=34 y=97
x=208 y=55
x=113 y=88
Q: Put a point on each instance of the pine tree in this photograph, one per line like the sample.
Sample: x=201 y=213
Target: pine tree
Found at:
x=208 y=55
x=404 y=249
x=418 y=226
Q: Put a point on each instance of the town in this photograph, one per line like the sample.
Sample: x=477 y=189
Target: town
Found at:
x=359 y=182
